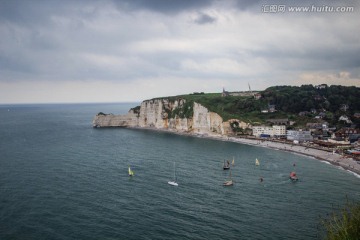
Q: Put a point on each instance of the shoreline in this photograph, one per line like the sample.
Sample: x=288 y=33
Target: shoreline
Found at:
x=335 y=159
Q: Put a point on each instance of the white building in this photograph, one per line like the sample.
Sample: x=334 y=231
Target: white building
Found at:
x=258 y=130
x=345 y=119
x=279 y=130
x=276 y=130
x=300 y=136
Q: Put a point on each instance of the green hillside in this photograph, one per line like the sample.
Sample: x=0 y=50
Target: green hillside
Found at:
x=306 y=97
x=329 y=101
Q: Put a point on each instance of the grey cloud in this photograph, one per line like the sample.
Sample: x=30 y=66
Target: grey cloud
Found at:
x=38 y=12
x=204 y=18
x=163 y=6
x=310 y=58
x=28 y=12
x=177 y=6
x=44 y=42
x=245 y=4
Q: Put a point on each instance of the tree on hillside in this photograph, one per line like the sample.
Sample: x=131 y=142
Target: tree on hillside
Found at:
x=296 y=99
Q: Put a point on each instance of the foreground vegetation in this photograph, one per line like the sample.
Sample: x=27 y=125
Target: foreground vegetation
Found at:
x=343 y=225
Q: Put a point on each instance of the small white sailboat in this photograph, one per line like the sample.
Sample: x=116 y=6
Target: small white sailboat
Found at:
x=257 y=163
x=174 y=183
x=229 y=182
x=131 y=173
x=233 y=162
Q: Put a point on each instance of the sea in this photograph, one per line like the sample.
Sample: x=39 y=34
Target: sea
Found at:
x=60 y=178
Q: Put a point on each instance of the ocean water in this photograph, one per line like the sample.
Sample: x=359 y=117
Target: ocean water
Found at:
x=62 y=179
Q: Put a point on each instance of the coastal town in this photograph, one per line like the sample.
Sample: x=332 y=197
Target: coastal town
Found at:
x=342 y=138
x=344 y=141
x=337 y=143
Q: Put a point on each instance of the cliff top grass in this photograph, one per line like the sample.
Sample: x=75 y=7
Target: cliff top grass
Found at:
x=244 y=108
x=333 y=101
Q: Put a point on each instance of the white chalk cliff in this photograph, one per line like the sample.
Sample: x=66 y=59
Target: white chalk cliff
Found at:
x=173 y=115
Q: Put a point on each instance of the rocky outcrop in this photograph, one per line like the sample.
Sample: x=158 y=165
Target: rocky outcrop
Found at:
x=131 y=119
x=173 y=115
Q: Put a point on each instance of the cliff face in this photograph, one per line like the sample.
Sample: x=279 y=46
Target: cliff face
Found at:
x=164 y=114
x=111 y=120
x=153 y=114
x=205 y=121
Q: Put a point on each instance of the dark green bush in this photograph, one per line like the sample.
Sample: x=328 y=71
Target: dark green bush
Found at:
x=343 y=224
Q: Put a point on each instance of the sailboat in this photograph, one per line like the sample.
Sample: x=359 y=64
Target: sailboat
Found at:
x=174 y=183
x=131 y=173
x=226 y=166
x=233 y=162
x=229 y=182
x=257 y=163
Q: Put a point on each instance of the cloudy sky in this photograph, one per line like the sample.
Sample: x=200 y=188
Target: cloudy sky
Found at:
x=131 y=50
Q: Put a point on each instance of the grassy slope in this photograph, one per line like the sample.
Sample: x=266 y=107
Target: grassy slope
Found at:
x=289 y=101
x=246 y=109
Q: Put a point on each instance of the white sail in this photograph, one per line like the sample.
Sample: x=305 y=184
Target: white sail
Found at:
x=229 y=182
x=131 y=173
x=174 y=183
